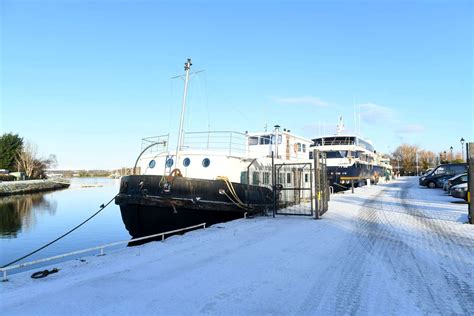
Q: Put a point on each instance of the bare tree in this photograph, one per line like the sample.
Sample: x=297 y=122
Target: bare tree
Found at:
x=28 y=161
x=426 y=159
x=406 y=155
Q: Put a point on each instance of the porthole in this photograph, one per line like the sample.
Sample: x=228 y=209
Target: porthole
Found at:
x=152 y=164
x=186 y=162
x=206 y=162
x=169 y=162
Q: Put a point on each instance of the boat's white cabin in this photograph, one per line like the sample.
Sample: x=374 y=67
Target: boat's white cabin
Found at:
x=345 y=150
x=208 y=155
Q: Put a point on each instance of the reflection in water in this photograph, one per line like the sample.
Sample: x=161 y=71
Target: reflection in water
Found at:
x=17 y=213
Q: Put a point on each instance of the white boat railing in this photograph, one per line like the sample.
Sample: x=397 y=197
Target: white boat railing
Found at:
x=160 y=143
x=101 y=248
x=226 y=141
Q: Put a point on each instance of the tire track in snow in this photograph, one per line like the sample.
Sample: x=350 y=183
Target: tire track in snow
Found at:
x=427 y=282
x=459 y=251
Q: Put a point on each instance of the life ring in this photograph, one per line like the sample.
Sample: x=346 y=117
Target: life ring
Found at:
x=295 y=147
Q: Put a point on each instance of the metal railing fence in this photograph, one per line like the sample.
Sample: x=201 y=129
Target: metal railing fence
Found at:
x=101 y=248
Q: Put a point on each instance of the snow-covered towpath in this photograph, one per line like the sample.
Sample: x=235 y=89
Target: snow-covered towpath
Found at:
x=395 y=248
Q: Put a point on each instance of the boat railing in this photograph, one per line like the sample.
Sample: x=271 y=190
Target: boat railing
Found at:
x=100 y=248
x=232 y=143
x=157 y=143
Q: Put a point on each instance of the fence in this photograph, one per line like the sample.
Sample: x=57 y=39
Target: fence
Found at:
x=294 y=189
x=321 y=184
x=101 y=248
x=301 y=188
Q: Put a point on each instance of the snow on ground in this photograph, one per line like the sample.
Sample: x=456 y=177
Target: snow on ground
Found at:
x=395 y=248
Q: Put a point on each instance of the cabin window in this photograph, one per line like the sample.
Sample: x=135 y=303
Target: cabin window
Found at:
x=304 y=147
x=306 y=177
x=336 y=154
x=206 y=162
x=266 y=178
x=186 y=162
x=169 y=162
x=253 y=140
x=299 y=147
x=281 y=176
x=273 y=139
x=255 y=178
x=265 y=140
x=288 y=177
x=243 y=177
x=152 y=164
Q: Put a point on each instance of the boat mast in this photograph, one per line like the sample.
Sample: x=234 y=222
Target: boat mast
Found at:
x=187 y=67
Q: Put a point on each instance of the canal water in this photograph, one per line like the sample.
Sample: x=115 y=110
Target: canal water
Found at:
x=29 y=221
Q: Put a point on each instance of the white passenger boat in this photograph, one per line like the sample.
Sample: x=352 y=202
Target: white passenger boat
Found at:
x=210 y=177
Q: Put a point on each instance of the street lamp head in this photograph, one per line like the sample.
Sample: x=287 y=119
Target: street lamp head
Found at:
x=451 y=148
x=462 y=141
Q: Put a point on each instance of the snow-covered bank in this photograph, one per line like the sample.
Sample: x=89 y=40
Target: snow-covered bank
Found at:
x=30 y=186
x=395 y=248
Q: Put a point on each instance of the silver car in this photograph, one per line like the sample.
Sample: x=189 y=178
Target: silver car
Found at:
x=459 y=191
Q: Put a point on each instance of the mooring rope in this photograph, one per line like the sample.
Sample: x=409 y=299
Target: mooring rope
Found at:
x=102 y=207
x=232 y=191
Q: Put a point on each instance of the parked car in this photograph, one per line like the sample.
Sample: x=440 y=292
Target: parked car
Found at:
x=458 y=179
x=441 y=180
x=427 y=171
x=440 y=171
x=459 y=191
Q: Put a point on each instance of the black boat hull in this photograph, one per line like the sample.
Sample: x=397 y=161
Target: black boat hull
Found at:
x=152 y=204
x=340 y=177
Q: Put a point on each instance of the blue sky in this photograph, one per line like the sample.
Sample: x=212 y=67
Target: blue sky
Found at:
x=86 y=80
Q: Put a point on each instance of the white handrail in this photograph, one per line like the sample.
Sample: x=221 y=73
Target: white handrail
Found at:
x=102 y=247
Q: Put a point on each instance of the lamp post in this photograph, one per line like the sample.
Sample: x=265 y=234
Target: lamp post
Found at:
x=445 y=157
x=451 y=149
x=462 y=147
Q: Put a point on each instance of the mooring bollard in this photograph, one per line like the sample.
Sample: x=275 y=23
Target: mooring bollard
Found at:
x=352 y=186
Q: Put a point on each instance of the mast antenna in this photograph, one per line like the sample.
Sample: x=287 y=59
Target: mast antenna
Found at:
x=187 y=67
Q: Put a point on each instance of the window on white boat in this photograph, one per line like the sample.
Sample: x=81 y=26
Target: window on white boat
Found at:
x=273 y=139
x=266 y=178
x=280 y=178
x=306 y=177
x=288 y=177
x=304 y=147
x=253 y=140
x=265 y=139
x=206 y=162
x=243 y=177
x=255 y=178
x=169 y=162
x=186 y=162
x=336 y=154
x=152 y=164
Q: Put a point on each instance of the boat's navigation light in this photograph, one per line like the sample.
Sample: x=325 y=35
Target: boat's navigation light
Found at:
x=152 y=164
